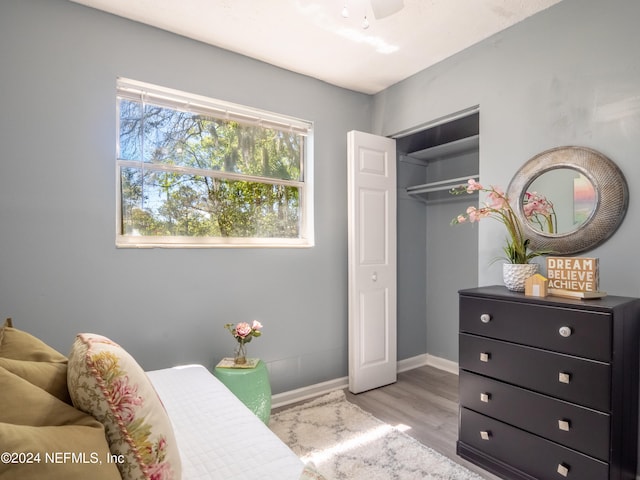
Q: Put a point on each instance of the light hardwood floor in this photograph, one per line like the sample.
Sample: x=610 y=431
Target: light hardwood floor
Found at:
x=426 y=400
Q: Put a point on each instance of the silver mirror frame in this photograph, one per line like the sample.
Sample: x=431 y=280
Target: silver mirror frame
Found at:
x=612 y=198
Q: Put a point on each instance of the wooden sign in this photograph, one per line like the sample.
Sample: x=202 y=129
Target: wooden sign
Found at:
x=578 y=274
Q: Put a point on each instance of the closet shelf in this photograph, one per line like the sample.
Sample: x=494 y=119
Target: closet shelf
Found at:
x=445 y=150
x=419 y=190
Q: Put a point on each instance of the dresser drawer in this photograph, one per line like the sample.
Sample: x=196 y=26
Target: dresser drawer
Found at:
x=582 y=381
x=580 y=428
x=589 y=332
x=540 y=458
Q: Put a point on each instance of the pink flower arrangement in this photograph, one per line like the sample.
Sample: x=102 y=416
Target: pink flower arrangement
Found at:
x=497 y=206
x=243 y=332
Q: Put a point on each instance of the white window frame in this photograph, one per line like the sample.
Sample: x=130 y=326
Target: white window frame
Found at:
x=140 y=91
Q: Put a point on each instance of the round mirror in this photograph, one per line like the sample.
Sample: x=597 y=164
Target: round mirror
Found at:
x=569 y=199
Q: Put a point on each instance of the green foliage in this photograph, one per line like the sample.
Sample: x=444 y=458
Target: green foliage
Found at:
x=517 y=247
x=192 y=175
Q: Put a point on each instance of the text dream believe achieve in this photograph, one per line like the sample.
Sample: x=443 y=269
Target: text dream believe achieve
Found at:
x=573 y=273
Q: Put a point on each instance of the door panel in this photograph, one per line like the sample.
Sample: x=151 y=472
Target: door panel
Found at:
x=373 y=227
x=374 y=319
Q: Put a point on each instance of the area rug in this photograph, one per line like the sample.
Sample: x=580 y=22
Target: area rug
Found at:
x=347 y=443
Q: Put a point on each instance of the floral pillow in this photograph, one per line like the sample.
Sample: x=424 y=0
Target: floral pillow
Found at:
x=106 y=382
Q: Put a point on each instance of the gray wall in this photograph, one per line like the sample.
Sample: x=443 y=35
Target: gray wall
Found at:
x=452 y=255
x=60 y=272
x=412 y=260
x=567 y=76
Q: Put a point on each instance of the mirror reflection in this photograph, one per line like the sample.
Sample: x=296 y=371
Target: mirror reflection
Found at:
x=559 y=201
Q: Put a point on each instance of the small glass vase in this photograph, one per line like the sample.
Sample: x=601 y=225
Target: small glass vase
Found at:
x=240 y=355
x=515 y=275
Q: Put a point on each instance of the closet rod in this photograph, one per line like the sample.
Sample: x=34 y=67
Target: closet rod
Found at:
x=439 y=186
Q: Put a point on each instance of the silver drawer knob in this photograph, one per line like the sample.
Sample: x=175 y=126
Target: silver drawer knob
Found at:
x=563 y=470
x=485 y=397
x=564 y=377
x=565 y=331
x=564 y=425
x=484 y=357
x=485 y=435
x=485 y=318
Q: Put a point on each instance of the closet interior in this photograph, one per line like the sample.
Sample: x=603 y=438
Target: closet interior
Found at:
x=435 y=258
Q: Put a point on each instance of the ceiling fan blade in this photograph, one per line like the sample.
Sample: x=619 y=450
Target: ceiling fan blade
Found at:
x=384 y=8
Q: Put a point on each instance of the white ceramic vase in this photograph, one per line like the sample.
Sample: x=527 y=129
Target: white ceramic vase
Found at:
x=515 y=274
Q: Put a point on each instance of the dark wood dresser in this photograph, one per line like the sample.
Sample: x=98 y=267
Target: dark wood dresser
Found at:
x=549 y=386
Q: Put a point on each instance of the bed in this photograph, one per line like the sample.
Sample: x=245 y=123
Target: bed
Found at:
x=218 y=436
x=97 y=414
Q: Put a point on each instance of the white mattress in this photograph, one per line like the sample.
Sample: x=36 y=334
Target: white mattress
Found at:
x=218 y=437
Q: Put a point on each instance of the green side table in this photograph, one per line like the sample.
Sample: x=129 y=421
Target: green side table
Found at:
x=251 y=386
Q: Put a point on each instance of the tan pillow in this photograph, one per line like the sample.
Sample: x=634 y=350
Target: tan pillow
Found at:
x=51 y=377
x=106 y=382
x=21 y=345
x=35 y=361
x=35 y=423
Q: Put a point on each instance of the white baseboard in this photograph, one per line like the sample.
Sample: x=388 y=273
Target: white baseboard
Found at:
x=311 y=391
x=413 y=362
x=443 y=364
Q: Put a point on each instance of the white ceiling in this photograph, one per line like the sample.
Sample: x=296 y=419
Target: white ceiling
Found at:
x=313 y=38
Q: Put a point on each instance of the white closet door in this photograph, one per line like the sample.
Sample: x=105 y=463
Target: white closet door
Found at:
x=372 y=261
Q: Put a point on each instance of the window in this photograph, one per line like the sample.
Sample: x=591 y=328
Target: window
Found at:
x=193 y=171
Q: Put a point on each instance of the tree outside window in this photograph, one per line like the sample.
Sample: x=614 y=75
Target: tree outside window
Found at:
x=191 y=175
